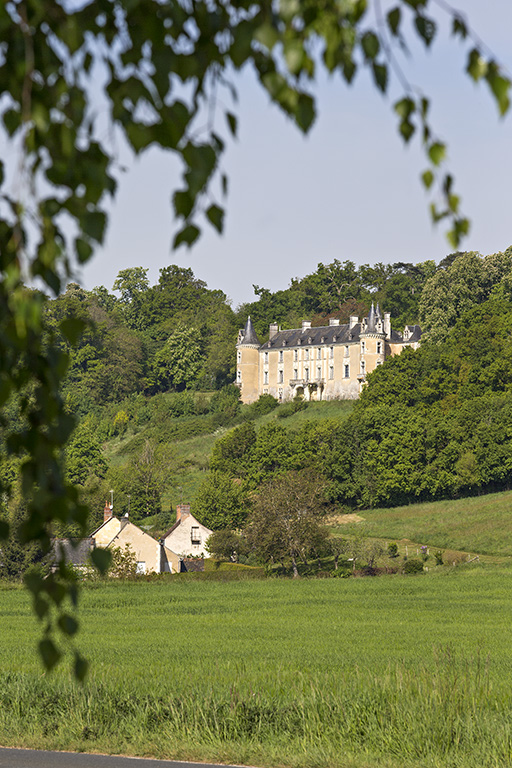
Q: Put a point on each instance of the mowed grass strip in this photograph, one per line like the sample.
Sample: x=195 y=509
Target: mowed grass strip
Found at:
x=389 y=672
x=477 y=524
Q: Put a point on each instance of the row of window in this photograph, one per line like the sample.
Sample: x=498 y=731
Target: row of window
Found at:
x=309 y=354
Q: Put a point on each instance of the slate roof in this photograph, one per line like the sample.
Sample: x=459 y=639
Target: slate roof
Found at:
x=76 y=551
x=325 y=334
x=249 y=334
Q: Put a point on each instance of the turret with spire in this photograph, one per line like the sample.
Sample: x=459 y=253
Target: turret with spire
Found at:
x=247 y=363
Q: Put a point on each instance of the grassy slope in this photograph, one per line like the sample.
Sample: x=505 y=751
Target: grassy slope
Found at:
x=480 y=524
x=386 y=672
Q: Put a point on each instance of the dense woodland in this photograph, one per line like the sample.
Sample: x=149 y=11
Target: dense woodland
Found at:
x=155 y=365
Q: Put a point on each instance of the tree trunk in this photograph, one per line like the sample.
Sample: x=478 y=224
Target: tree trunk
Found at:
x=295 y=570
x=336 y=558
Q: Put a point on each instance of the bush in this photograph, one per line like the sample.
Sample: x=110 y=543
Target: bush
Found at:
x=393 y=549
x=439 y=557
x=413 y=566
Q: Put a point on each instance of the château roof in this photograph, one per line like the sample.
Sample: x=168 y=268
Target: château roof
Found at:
x=325 y=334
x=249 y=334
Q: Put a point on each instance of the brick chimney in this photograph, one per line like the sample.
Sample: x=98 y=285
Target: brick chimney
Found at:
x=182 y=510
x=273 y=330
x=107 y=512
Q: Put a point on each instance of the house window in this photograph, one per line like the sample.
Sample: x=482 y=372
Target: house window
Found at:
x=331 y=371
x=306 y=354
x=195 y=535
x=331 y=351
x=141 y=567
x=295 y=373
x=319 y=353
x=306 y=374
x=280 y=379
x=280 y=355
x=346 y=350
x=347 y=371
x=295 y=355
x=319 y=372
x=265 y=377
x=363 y=347
x=266 y=357
x=379 y=347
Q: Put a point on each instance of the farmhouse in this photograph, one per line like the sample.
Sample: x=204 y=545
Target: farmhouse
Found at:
x=152 y=556
x=326 y=363
x=187 y=536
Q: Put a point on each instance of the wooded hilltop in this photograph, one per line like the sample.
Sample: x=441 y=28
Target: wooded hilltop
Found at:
x=154 y=367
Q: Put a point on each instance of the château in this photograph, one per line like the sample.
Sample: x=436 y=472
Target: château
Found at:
x=326 y=363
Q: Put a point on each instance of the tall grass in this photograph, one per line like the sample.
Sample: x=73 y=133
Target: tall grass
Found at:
x=388 y=672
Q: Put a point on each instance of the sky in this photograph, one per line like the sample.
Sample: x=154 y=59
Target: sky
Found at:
x=349 y=190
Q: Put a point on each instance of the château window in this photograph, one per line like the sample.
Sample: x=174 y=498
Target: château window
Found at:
x=379 y=347
x=319 y=353
x=295 y=373
x=306 y=354
x=363 y=367
x=280 y=355
x=265 y=377
x=306 y=374
x=347 y=371
x=295 y=355
x=331 y=351
x=319 y=372
x=266 y=356
x=239 y=356
x=346 y=350
x=363 y=347
x=280 y=377
x=239 y=375
x=280 y=398
x=331 y=372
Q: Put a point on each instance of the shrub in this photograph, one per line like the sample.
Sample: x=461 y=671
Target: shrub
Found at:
x=413 y=566
x=439 y=557
x=393 y=549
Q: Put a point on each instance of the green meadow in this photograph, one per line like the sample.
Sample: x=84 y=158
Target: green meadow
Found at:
x=386 y=672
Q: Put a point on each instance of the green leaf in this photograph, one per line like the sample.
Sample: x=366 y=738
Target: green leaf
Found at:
x=380 y=75
x=2 y=175
x=216 y=216
x=72 y=328
x=426 y=28
x=407 y=129
x=427 y=178
x=67 y=624
x=476 y=66
x=224 y=184
x=188 y=235
x=305 y=112
x=453 y=203
x=83 y=250
x=393 y=18
x=437 y=152
x=500 y=87
x=294 y=55
x=183 y=203
x=232 y=123
x=81 y=667
x=93 y=224
x=50 y=655
x=459 y=27
x=101 y=559
x=370 y=45
x=4 y=529
x=405 y=107
x=267 y=35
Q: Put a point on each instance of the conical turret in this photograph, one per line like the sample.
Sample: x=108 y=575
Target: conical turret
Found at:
x=249 y=334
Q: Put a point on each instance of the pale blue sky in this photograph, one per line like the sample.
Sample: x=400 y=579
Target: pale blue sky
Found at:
x=350 y=190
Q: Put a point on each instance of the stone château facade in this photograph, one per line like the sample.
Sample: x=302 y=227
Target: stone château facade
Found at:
x=326 y=363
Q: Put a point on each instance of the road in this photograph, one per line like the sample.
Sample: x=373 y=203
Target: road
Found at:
x=32 y=758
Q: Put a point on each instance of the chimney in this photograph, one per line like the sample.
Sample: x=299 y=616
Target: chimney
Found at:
x=182 y=510
x=334 y=321
x=107 y=512
x=387 y=324
x=306 y=324
x=124 y=520
x=273 y=330
x=354 y=319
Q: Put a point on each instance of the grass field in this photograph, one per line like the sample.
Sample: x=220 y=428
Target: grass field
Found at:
x=480 y=524
x=375 y=673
